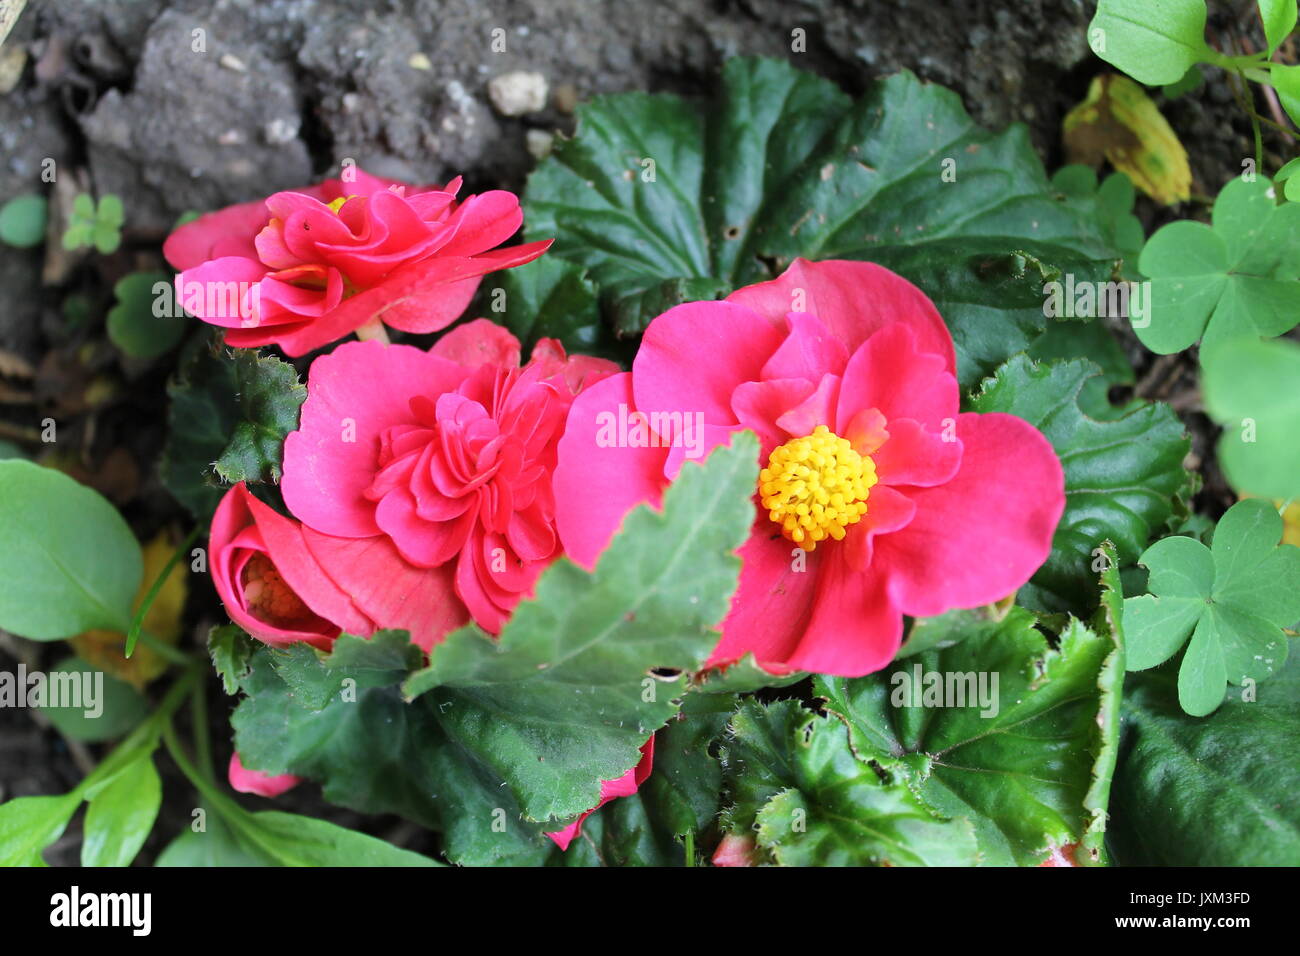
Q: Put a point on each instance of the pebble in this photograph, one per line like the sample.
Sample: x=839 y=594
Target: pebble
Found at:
x=518 y=93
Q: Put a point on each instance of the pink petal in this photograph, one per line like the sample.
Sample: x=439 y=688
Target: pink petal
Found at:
x=774 y=602
x=809 y=351
x=235 y=533
x=192 y=244
x=889 y=372
x=854 y=628
x=215 y=291
x=479 y=342
x=288 y=552
x=255 y=781
x=695 y=355
x=390 y=591
x=914 y=455
x=982 y=535
x=887 y=511
x=817 y=409
x=597 y=482
x=326 y=477
x=406 y=288
x=759 y=405
x=483 y=222
x=853 y=300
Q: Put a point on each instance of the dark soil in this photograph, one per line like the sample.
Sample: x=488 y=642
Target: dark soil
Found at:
x=120 y=96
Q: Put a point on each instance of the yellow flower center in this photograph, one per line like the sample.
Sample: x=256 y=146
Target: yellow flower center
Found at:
x=815 y=487
x=337 y=204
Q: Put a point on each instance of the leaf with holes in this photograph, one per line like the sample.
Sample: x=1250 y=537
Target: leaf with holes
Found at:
x=661 y=199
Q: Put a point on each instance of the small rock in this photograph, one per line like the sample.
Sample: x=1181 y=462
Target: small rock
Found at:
x=418 y=61
x=518 y=93
x=280 y=130
x=539 y=143
x=232 y=62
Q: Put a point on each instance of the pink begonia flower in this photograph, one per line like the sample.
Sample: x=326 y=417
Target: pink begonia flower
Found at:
x=269 y=582
x=624 y=786
x=878 y=497
x=422 y=480
x=302 y=269
x=254 y=781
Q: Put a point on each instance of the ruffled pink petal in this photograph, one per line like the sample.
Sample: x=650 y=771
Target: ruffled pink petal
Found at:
x=433 y=310
x=390 y=591
x=597 y=482
x=809 y=351
x=817 y=409
x=233 y=227
x=694 y=356
x=982 y=535
x=889 y=372
x=579 y=371
x=416 y=284
x=854 y=629
x=288 y=552
x=358 y=391
x=758 y=406
x=774 y=602
x=483 y=222
x=216 y=291
x=854 y=300
x=479 y=342
x=256 y=782
x=735 y=849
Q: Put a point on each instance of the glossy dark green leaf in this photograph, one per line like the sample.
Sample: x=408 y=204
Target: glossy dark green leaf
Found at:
x=999 y=728
x=796 y=782
x=1209 y=791
x=1121 y=476
x=547 y=298
x=229 y=415
x=661 y=199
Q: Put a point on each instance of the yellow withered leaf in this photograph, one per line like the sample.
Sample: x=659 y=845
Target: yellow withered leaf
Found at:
x=106 y=649
x=1118 y=122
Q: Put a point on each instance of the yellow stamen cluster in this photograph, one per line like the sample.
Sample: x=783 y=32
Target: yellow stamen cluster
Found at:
x=815 y=487
x=337 y=204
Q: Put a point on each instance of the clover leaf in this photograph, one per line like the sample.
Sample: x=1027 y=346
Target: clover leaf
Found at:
x=1250 y=389
x=91 y=225
x=1233 y=279
x=1232 y=598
